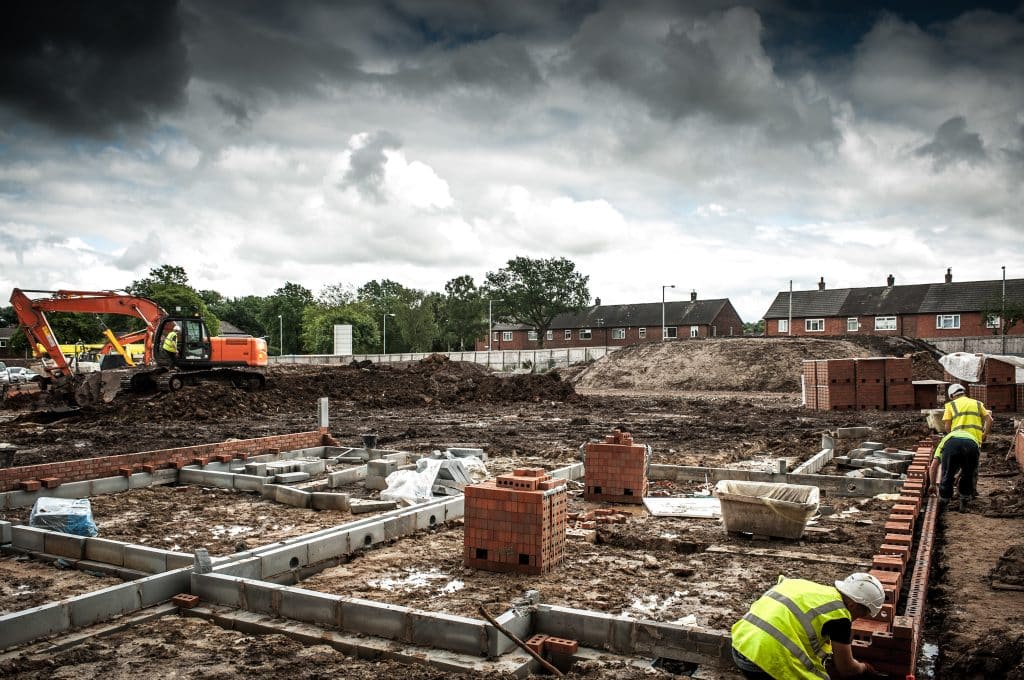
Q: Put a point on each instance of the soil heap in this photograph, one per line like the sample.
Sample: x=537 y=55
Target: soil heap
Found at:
x=738 y=364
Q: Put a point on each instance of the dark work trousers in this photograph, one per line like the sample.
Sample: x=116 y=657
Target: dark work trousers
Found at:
x=959 y=455
x=749 y=669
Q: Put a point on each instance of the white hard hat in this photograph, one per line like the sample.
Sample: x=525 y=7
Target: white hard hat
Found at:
x=955 y=389
x=863 y=589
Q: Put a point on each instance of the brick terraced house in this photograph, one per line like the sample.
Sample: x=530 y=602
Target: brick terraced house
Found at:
x=926 y=311
x=619 y=325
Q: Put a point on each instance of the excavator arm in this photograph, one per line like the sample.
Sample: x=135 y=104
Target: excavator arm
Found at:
x=31 y=315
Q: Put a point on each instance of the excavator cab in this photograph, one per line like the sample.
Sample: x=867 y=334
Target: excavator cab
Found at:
x=193 y=342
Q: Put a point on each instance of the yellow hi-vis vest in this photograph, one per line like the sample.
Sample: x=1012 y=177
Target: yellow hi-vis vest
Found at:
x=782 y=631
x=966 y=414
x=171 y=342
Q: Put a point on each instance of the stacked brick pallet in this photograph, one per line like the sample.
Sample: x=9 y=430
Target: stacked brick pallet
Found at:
x=997 y=388
x=890 y=641
x=616 y=470
x=516 y=523
x=877 y=383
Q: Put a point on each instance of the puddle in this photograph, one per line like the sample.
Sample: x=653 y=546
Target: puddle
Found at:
x=926 y=660
x=415 y=580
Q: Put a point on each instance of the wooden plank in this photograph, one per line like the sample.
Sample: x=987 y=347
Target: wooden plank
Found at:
x=788 y=555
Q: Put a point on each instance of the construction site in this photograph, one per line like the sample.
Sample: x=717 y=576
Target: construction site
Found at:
x=589 y=522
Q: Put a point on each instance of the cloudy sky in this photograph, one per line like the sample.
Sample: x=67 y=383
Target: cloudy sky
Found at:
x=722 y=148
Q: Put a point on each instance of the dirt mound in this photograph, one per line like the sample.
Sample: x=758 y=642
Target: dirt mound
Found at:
x=1009 y=570
x=737 y=364
x=433 y=380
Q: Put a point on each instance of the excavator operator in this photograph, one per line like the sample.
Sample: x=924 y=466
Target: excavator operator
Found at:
x=170 y=345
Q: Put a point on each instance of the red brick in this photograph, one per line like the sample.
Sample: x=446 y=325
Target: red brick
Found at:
x=50 y=482
x=185 y=600
x=29 y=485
x=561 y=645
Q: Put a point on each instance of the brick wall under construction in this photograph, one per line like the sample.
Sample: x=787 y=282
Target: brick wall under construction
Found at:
x=616 y=470
x=516 y=523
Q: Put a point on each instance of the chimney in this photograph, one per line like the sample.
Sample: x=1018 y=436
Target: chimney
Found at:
x=821 y=283
x=949 y=275
x=597 y=302
x=693 y=296
x=891 y=281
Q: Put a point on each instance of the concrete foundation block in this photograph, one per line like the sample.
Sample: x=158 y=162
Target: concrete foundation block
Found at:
x=165 y=476
x=444 y=631
x=250 y=482
x=375 y=483
x=329 y=547
x=256 y=469
x=31 y=624
x=283 y=559
x=105 y=551
x=329 y=501
x=312 y=607
x=374 y=618
x=520 y=625
x=191 y=475
x=364 y=537
x=248 y=567
x=28 y=538
x=290 y=496
x=360 y=507
x=313 y=467
x=380 y=468
x=105 y=604
x=269 y=490
x=73 y=489
x=26 y=499
x=218 y=479
x=140 y=480
x=346 y=477
x=179 y=560
x=64 y=545
x=141 y=558
x=5 y=532
x=260 y=597
x=291 y=477
x=107 y=485
x=162 y=587
x=217 y=589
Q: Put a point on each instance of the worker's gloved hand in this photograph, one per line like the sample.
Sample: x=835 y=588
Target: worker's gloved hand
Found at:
x=871 y=674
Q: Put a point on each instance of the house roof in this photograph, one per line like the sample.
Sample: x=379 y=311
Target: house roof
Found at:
x=677 y=313
x=925 y=298
x=228 y=328
x=7 y=331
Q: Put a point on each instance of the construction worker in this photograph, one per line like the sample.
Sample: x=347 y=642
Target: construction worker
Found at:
x=170 y=344
x=793 y=628
x=967 y=423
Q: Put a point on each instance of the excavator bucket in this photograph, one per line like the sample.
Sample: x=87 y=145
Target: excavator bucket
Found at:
x=97 y=388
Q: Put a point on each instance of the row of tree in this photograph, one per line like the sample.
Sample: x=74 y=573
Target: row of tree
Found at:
x=296 y=321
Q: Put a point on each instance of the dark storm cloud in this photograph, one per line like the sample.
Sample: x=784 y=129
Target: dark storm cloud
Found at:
x=91 y=68
x=234 y=108
x=366 y=166
x=953 y=143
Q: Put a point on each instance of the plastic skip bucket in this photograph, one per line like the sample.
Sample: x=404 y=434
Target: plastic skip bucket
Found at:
x=767 y=509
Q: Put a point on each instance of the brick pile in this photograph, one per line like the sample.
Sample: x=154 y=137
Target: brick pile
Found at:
x=876 y=383
x=516 y=523
x=541 y=644
x=616 y=470
x=890 y=641
x=997 y=388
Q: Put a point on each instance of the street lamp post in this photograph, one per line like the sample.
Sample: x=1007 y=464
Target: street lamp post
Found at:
x=280 y=326
x=663 y=310
x=490 y=324
x=384 y=343
x=600 y=324
x=1002 y=313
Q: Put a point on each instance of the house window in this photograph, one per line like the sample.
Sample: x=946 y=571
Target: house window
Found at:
x=585 y=334
x=643 y=333
x=550 y=335
x=853 y=324
x=671 y=332
x=506 y=336
x=991 y=321
x=783 y=325
x=497 y=336
x=947 y=321
x=814 y=325
x=885 y=323
x=694 y=331
x=3 y=343
x=531 y=335
x=568 y=334
x=618 y=334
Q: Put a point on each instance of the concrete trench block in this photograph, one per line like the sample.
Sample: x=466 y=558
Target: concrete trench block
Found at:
x=445 y=631
x=5 y=532
x=256 y=469
x=105 y=551
x=64 y=545
x=104 y=604
x=375 y=618
x=291 y=477
x=165 y=476
x=190 y=475
x=217 y=479
x=519 y=625
x=290 y=496
x=249 y=482
x=345 y=477
x=162 y=587
x=313 y=467
x=217 y=589
x=329 y=547
x=141 y=558
x=283 y=559
x=27 y=625
x=260 y=597
x=364 y=537
x=28 y=538
x=309 y=606
x=248 y=567
x=140 y=480
x=107 y=485
x=179 y=560
x=325 y=500
x=25 y=499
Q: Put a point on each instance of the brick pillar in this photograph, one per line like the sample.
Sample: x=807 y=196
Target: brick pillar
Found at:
x=616 y=470
x=516 y=523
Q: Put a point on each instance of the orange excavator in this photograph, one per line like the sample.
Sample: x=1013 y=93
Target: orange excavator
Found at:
x=190 y=356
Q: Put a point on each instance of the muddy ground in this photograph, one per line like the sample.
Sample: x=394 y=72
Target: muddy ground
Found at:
x=660 y=568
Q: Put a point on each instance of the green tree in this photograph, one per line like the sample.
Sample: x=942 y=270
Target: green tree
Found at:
x=535 y=291
x=462 y=314
x=245 y=312
x=994 y=309
x=282 y=317
x=320 y=317
x=164 y=275
x=755 y=328
x=409 y=330
x=168 y=286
